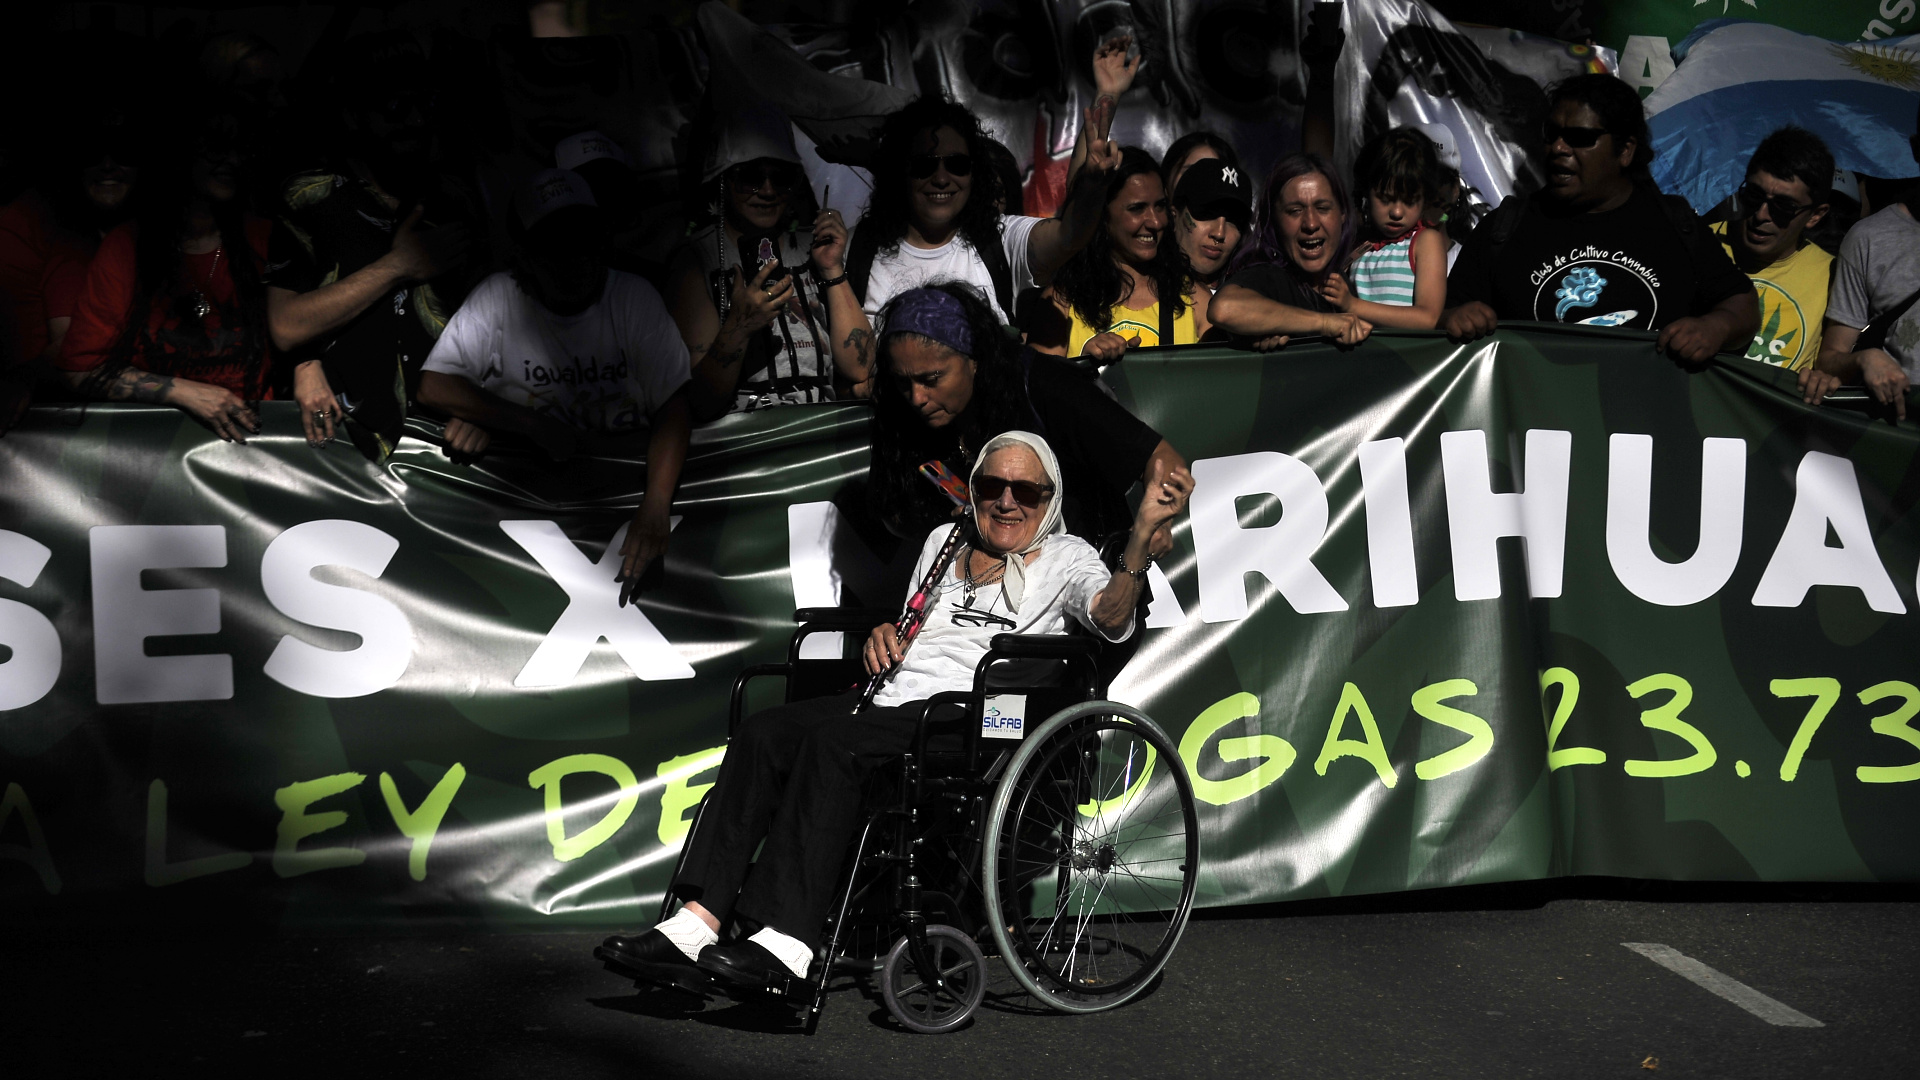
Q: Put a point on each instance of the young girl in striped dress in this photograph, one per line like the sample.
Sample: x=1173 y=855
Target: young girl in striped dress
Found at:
x=1398 y=274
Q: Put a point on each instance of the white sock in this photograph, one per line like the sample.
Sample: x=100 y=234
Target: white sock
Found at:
x=789 y=951
x=688 y=933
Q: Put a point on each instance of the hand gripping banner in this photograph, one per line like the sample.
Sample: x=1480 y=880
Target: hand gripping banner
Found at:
x=1542 y=605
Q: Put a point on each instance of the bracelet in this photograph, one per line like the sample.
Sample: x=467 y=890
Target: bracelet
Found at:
x=828 y=283
x=1136 y=574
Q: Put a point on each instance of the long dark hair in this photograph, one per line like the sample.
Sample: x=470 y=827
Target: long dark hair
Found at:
x=1399 y=164
x=1092 y=284
x=161 y=219
x=900 y=497
x=1263 y=244
x=1185 y=145
x=885 y=223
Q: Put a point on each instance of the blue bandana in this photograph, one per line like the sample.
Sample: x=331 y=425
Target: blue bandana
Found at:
x=931 y=314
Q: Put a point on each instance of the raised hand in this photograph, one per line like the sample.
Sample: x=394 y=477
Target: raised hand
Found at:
x=1166 y=493
x=1103 y=154
x=829 y=244
x=421 y=254
x=1115 y=64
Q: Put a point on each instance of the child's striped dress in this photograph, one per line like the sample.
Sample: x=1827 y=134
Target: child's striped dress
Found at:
x=1383 y=270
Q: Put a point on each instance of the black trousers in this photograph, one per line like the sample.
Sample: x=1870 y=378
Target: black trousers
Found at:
x=793 y=776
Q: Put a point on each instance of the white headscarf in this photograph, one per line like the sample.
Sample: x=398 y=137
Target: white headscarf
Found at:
x=1014 y=584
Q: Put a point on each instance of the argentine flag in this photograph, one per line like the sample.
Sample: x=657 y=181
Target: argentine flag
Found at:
x=1738 y=81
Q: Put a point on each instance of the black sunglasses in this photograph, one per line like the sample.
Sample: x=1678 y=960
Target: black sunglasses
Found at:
x=755 y=175
x=1780 y=208
x=923 y=165
x=1579 y=138
x=987 y=490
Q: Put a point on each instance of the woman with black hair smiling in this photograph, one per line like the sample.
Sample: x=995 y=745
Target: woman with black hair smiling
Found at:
x=1130 y=285
x=935 y=217
x=952 y=380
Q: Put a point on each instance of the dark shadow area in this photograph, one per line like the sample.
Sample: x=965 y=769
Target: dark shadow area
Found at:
x=1521 y=895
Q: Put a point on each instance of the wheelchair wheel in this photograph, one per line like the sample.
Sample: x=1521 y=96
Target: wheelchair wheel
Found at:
x=1091 y=852
x=919 y=1005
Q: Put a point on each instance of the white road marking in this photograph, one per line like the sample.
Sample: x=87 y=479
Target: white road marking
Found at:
x=1699 y=974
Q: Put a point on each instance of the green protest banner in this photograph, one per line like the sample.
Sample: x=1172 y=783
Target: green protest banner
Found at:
x=1542 y=605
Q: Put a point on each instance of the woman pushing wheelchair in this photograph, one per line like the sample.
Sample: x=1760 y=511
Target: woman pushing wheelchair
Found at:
x=793 y=774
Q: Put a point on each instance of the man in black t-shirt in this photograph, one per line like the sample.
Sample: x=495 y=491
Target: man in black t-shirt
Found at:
x=1599 y=245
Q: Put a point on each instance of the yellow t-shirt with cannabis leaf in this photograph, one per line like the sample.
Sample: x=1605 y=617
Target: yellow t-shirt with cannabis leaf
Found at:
x=1793 y=301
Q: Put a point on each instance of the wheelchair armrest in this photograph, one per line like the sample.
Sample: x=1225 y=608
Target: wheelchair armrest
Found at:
x=842 y=618
x=739 y=696
x=946 y=697
x=1043 y=647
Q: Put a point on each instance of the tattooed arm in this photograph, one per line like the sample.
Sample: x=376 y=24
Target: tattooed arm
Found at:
x=848 y=330
x=717 y=347
x=215 y=406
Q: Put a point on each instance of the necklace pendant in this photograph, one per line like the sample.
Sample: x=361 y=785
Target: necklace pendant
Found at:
x=200 y=306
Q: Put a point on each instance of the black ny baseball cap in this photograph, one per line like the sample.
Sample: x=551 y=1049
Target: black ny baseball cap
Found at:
x=1211 y=188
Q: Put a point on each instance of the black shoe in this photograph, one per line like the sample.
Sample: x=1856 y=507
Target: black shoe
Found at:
x=748 y=965
x=650 y=957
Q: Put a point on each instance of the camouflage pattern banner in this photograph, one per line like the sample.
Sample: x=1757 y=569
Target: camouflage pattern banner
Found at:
x=1543 y=605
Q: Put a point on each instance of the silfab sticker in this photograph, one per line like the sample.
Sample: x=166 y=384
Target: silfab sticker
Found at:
x=1005 y=717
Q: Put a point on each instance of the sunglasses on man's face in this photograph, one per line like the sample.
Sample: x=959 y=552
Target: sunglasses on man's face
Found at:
x=924 y=165
x=755 y=177
x=1580 y=138
x=1780 y=209
x=988 y=489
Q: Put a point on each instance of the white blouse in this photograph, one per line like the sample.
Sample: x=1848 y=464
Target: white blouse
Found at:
x=1061 y=582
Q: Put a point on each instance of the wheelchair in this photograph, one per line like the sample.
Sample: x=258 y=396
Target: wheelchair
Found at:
x=1069 y=848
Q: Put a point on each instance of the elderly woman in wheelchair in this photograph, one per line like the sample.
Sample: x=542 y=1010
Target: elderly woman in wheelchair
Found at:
x=791 y=783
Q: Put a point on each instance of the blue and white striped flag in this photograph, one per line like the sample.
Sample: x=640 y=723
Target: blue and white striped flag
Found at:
x=1738 y=81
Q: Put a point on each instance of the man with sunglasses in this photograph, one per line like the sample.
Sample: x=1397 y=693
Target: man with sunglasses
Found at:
x=1599 y=245
x=1784 y=195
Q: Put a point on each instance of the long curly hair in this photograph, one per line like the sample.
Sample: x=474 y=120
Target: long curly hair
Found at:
x=902 y=441
x=885 y=223
x=160 y=220
x=1092 y=283
x=1264 y=244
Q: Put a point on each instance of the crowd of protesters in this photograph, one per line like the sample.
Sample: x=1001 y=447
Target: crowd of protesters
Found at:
x=210 y=260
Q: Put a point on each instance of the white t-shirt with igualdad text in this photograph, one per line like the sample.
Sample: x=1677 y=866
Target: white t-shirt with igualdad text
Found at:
x=604 y=370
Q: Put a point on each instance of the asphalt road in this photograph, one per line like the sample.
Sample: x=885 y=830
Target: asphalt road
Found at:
x=1493 y=982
